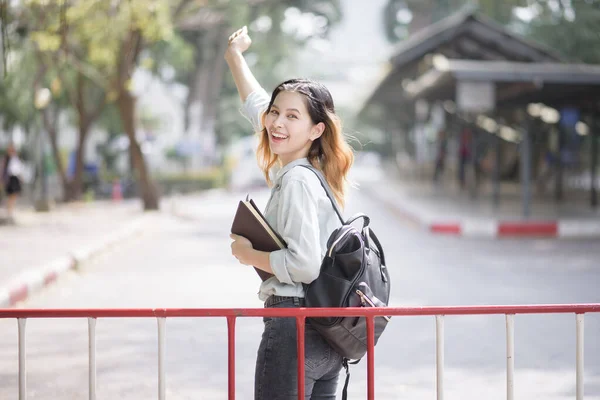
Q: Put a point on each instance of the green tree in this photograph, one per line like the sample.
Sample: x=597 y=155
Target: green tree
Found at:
x=93 y=48
x=404 y=17
x=16 y=94
x=58 y=58
x=17 y=91
x=572 y=28
x=100 y=44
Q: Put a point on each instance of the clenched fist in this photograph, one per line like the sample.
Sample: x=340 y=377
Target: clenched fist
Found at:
x=239 y=41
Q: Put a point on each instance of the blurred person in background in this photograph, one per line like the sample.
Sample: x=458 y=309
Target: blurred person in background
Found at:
x=11 y=173
x=296 y=126
x=440 y=160
x=464 y=156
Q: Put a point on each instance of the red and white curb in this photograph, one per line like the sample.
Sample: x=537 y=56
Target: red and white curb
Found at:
x=506 y=229
x=34 y=279
x=497 y=228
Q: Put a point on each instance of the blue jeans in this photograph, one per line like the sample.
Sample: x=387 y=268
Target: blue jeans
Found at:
x=276 y=364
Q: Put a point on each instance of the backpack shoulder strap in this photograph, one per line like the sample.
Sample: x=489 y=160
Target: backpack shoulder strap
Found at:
x=327 y=190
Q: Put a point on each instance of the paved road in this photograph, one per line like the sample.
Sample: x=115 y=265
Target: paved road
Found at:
x=186 y=263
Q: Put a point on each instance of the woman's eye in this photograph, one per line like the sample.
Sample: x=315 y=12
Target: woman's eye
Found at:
x=292 y=116
x=274 y=112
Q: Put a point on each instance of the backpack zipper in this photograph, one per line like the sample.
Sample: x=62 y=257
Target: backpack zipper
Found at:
x=336 y=242
x=364 y=299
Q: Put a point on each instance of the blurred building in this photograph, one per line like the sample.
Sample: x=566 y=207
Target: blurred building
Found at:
x=511 y=109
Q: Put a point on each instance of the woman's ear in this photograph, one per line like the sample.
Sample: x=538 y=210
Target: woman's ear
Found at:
x=317 y=131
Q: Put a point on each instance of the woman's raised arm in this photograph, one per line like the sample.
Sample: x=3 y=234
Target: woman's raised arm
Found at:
x=244 y=80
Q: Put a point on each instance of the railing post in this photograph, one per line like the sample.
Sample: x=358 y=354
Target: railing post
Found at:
x=510 y=356
x=161 y=358
x=579 y=356
x=231 y=355
x=439 y=353
x=300 y=322
x=22 y=361
x=92 y=357
x=370 y=358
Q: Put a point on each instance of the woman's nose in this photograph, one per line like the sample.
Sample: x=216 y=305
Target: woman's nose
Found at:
x=277 y=122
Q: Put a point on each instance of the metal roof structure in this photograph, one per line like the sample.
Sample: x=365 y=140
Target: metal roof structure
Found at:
x=465 y=35
x=517 y=83
x=469 y=35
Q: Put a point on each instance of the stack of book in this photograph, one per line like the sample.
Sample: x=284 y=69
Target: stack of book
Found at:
x=251 y=224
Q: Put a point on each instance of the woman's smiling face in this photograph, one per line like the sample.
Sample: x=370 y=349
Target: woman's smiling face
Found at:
x=290 y=128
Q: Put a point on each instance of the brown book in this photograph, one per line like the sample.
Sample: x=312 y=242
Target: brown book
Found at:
x=251 y=224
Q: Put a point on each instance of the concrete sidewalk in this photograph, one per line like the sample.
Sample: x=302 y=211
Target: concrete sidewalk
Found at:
x=444 y=209
x=41 y=246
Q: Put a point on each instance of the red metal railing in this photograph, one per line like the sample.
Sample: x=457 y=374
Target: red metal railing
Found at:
x=300 y=314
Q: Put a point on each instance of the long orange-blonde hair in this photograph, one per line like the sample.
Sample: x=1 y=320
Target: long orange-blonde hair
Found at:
x=330 y=153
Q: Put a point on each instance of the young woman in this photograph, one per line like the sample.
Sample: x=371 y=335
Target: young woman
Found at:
x=11 y=171
x=297 y=126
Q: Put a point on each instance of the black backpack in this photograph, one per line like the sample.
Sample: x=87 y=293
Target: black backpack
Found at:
x=353 y=274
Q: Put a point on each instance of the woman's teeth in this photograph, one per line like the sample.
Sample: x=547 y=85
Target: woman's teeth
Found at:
x=278 y=136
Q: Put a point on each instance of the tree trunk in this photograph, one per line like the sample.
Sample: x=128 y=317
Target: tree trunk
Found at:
x=130 y=50
x=76 y=186
x=199 y=88
x=197 y=79
x=210 y=98
x=50 y=127
x=217 y=67
x=149 y=193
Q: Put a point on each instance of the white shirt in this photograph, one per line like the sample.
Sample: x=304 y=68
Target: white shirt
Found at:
x=15 y=166
x=300 y=211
